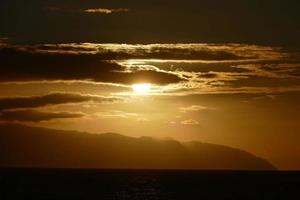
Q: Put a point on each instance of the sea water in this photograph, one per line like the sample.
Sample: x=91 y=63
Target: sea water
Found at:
x=93 y=184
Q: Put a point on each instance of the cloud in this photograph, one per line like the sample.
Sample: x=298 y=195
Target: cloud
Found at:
x=3 y=40
x=35 y=116
x=190 y=122
x=117 y=114
x=264 y=97
x=208 y=75
x=181 y=69
x=96 y=10
x=106 y=10
x=23 y=65
x=193 y=108
x=52 y=99
x=184 y=52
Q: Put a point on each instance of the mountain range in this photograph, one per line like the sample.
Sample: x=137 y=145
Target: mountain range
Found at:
x=34 y=147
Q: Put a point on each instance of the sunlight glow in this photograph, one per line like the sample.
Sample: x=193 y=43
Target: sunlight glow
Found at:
x=141 y=89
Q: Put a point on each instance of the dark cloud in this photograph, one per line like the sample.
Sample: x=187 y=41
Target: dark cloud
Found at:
x=248 y=21
x=147 y=77
x=35 y=116
x=296 y=72
x=20 y=65
x=209 y=52
x=192 y=53
x=264 y=82
x=3 y=40
x=208 y=75
x=51 y=99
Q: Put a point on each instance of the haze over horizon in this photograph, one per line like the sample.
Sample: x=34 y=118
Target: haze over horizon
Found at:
x=224 y=73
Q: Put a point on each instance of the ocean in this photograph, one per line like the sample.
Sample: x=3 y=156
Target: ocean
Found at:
x=93 y=184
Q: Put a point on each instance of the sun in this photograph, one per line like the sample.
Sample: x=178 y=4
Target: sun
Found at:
x=141 y=89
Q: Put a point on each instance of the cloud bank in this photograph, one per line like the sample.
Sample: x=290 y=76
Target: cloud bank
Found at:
x=24 y=109
x=22 y=66
x=179 y=69
x=35 y=116
x=52 y=99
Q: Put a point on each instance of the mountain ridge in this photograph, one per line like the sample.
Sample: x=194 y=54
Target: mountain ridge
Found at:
x=24 y=146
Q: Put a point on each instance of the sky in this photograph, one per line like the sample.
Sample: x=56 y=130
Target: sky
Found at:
x=219 y=72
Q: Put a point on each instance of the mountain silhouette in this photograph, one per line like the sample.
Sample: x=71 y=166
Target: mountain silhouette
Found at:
x=23 y=146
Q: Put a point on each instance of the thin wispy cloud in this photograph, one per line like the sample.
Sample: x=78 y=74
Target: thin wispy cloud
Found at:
x=193 y=108
x=117 y=114
x=88 y=10
x=190 y=122
x=106 y=10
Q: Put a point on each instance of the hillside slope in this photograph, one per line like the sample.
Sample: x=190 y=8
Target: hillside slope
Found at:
x=22 y=146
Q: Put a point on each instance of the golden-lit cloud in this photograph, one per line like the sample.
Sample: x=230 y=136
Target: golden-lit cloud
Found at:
x=95 y=10
x=117 y=114
x=190 y=122
x=193 y=108
x=106 y=10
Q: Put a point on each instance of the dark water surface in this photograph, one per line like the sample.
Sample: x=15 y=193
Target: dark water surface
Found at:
x=147 y=184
